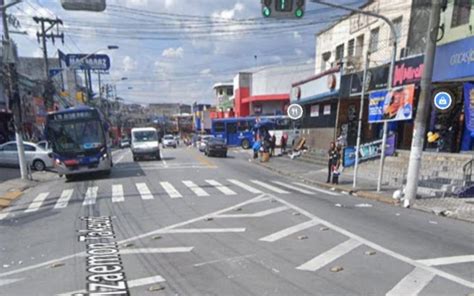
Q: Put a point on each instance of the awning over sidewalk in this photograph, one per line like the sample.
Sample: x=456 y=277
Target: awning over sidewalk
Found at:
x=267 y=98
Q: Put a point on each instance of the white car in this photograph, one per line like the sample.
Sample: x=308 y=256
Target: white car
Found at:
x=39 y=158
x=169 y=141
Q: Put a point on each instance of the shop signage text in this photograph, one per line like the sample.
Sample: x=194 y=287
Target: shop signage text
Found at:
x=368 y=151
x=454 y=60
x=394 y=105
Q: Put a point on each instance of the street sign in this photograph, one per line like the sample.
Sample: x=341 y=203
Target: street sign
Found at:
x=295 y=111
x=442 y=100
x=93 y=62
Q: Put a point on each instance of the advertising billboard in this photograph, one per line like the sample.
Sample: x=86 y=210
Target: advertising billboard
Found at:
x=394 y=105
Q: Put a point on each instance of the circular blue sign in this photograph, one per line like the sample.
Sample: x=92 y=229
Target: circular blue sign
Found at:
x=443 y=100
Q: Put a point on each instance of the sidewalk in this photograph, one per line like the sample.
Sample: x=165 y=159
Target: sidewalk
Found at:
x=14 y=188
x=458 y=208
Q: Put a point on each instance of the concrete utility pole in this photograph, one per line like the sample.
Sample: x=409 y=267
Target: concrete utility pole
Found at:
x=390 y=74
x=361 y=115
x=423 y=105
x=13 y=91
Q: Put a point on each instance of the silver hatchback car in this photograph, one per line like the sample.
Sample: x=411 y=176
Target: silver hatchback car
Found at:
x=39 y=158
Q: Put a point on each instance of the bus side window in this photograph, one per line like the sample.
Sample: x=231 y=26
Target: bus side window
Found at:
x=219 y=127
x=243 y=126
x=232 y=127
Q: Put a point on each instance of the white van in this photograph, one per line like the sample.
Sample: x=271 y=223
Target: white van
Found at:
x=145 y=143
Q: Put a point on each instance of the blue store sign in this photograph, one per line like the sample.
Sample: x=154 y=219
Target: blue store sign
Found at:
x=454 y=60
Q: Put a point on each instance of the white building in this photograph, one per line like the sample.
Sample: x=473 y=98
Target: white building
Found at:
x=352 y=36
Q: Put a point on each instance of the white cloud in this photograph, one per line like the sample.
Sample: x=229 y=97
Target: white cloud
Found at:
x=296 y=35
x=129 y=64
x=173 y=52
x=229 y=13
x=298 y=51
x=169 y=3
x=206 y=72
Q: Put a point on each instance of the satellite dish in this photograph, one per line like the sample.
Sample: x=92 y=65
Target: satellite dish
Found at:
x=84 y=5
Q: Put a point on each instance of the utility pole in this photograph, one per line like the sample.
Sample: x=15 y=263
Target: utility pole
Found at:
x=423 y=105
x=13 y=91
x=361 y=115
x=43 y=36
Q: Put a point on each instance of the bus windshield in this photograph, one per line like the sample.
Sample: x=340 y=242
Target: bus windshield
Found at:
x=76 y=136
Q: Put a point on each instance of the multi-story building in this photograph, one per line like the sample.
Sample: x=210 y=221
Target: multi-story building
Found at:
x=224 y=96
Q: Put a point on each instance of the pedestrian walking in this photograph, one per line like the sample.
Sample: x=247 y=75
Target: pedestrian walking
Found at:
x=333 y=158
x=336 y=165
x=283 y=140
x=272 y=145
x=256 y=148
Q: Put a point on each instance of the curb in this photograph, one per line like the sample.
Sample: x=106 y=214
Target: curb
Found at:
x=14 y=193
x=362 y=194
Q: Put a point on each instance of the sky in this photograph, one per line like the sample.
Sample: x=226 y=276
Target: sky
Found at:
x=176 y=50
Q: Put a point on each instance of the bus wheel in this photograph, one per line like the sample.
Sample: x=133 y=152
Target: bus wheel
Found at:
x=245 y=144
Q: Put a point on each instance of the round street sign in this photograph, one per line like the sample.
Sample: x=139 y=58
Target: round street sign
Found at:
x=443 y=101
x=295 y=111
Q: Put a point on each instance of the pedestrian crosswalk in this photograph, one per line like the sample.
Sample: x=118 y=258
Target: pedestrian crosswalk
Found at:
x=120 y=193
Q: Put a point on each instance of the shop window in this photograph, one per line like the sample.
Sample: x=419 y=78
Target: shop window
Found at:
x=461 y=13
x=230 y=92
x=374 y=40
x=327 y=110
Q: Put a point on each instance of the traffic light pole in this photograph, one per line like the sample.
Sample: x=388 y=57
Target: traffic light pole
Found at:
x=13 y=94
x=390 y=74
x=423 y=106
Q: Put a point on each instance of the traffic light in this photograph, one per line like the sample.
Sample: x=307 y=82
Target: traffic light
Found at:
x=283 y=8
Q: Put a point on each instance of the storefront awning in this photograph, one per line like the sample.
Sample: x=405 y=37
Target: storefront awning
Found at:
x=319 y=98
x=267 y=98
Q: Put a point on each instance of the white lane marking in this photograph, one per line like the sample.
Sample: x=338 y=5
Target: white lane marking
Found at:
x=413 y=283
x=120 y=158
x=447 y=260
x=224 y=189
x=245 y=186
x=131 y=284
x=202 y=230
x=195 y=188
x=223 y=260
x=330 y=255
x=270 y=187
x=117 y=193
x=156 y=250
x=144 y=191
x=91 y=196
x=64 y=199
x=316 y=189
x=5 y=213
x=289 y=231
x=293 y=187
x=165 y=164
x=259 y=198
x=170 y=190
x=254 y=215
x=37 y=202
x=9 y=281
x=115 y=152
x=377 y=247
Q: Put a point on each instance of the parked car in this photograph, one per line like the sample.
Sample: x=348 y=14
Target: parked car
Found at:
x=125 y=143
x=44 y=144
x=145 y=143
x=203 y=142
x=216 y=146
x=39 y=158
x=169 y=141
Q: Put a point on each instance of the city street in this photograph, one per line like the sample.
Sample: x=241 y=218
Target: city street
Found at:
x=192 y=225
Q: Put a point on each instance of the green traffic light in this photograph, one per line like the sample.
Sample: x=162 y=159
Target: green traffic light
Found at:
x=299 y=13
x=266 y=12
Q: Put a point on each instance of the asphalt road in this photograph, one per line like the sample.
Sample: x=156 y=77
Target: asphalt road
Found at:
x=191 y=225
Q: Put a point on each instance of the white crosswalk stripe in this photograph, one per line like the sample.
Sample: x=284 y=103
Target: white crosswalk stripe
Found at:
x=117 y=193
x=289 y=186
x=144 y=191
x=91 y=196
x=413 y=283
x=170 y=190
x=224 y=189
x=194 y=188
x=64 y=199
x=270 y=187
x=37 y=202
x=245 y=186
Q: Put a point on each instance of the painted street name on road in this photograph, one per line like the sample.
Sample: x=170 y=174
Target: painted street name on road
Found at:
x=104 y=263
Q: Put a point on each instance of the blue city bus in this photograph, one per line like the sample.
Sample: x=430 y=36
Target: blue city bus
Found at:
x=241 y=131
x=80 y=141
